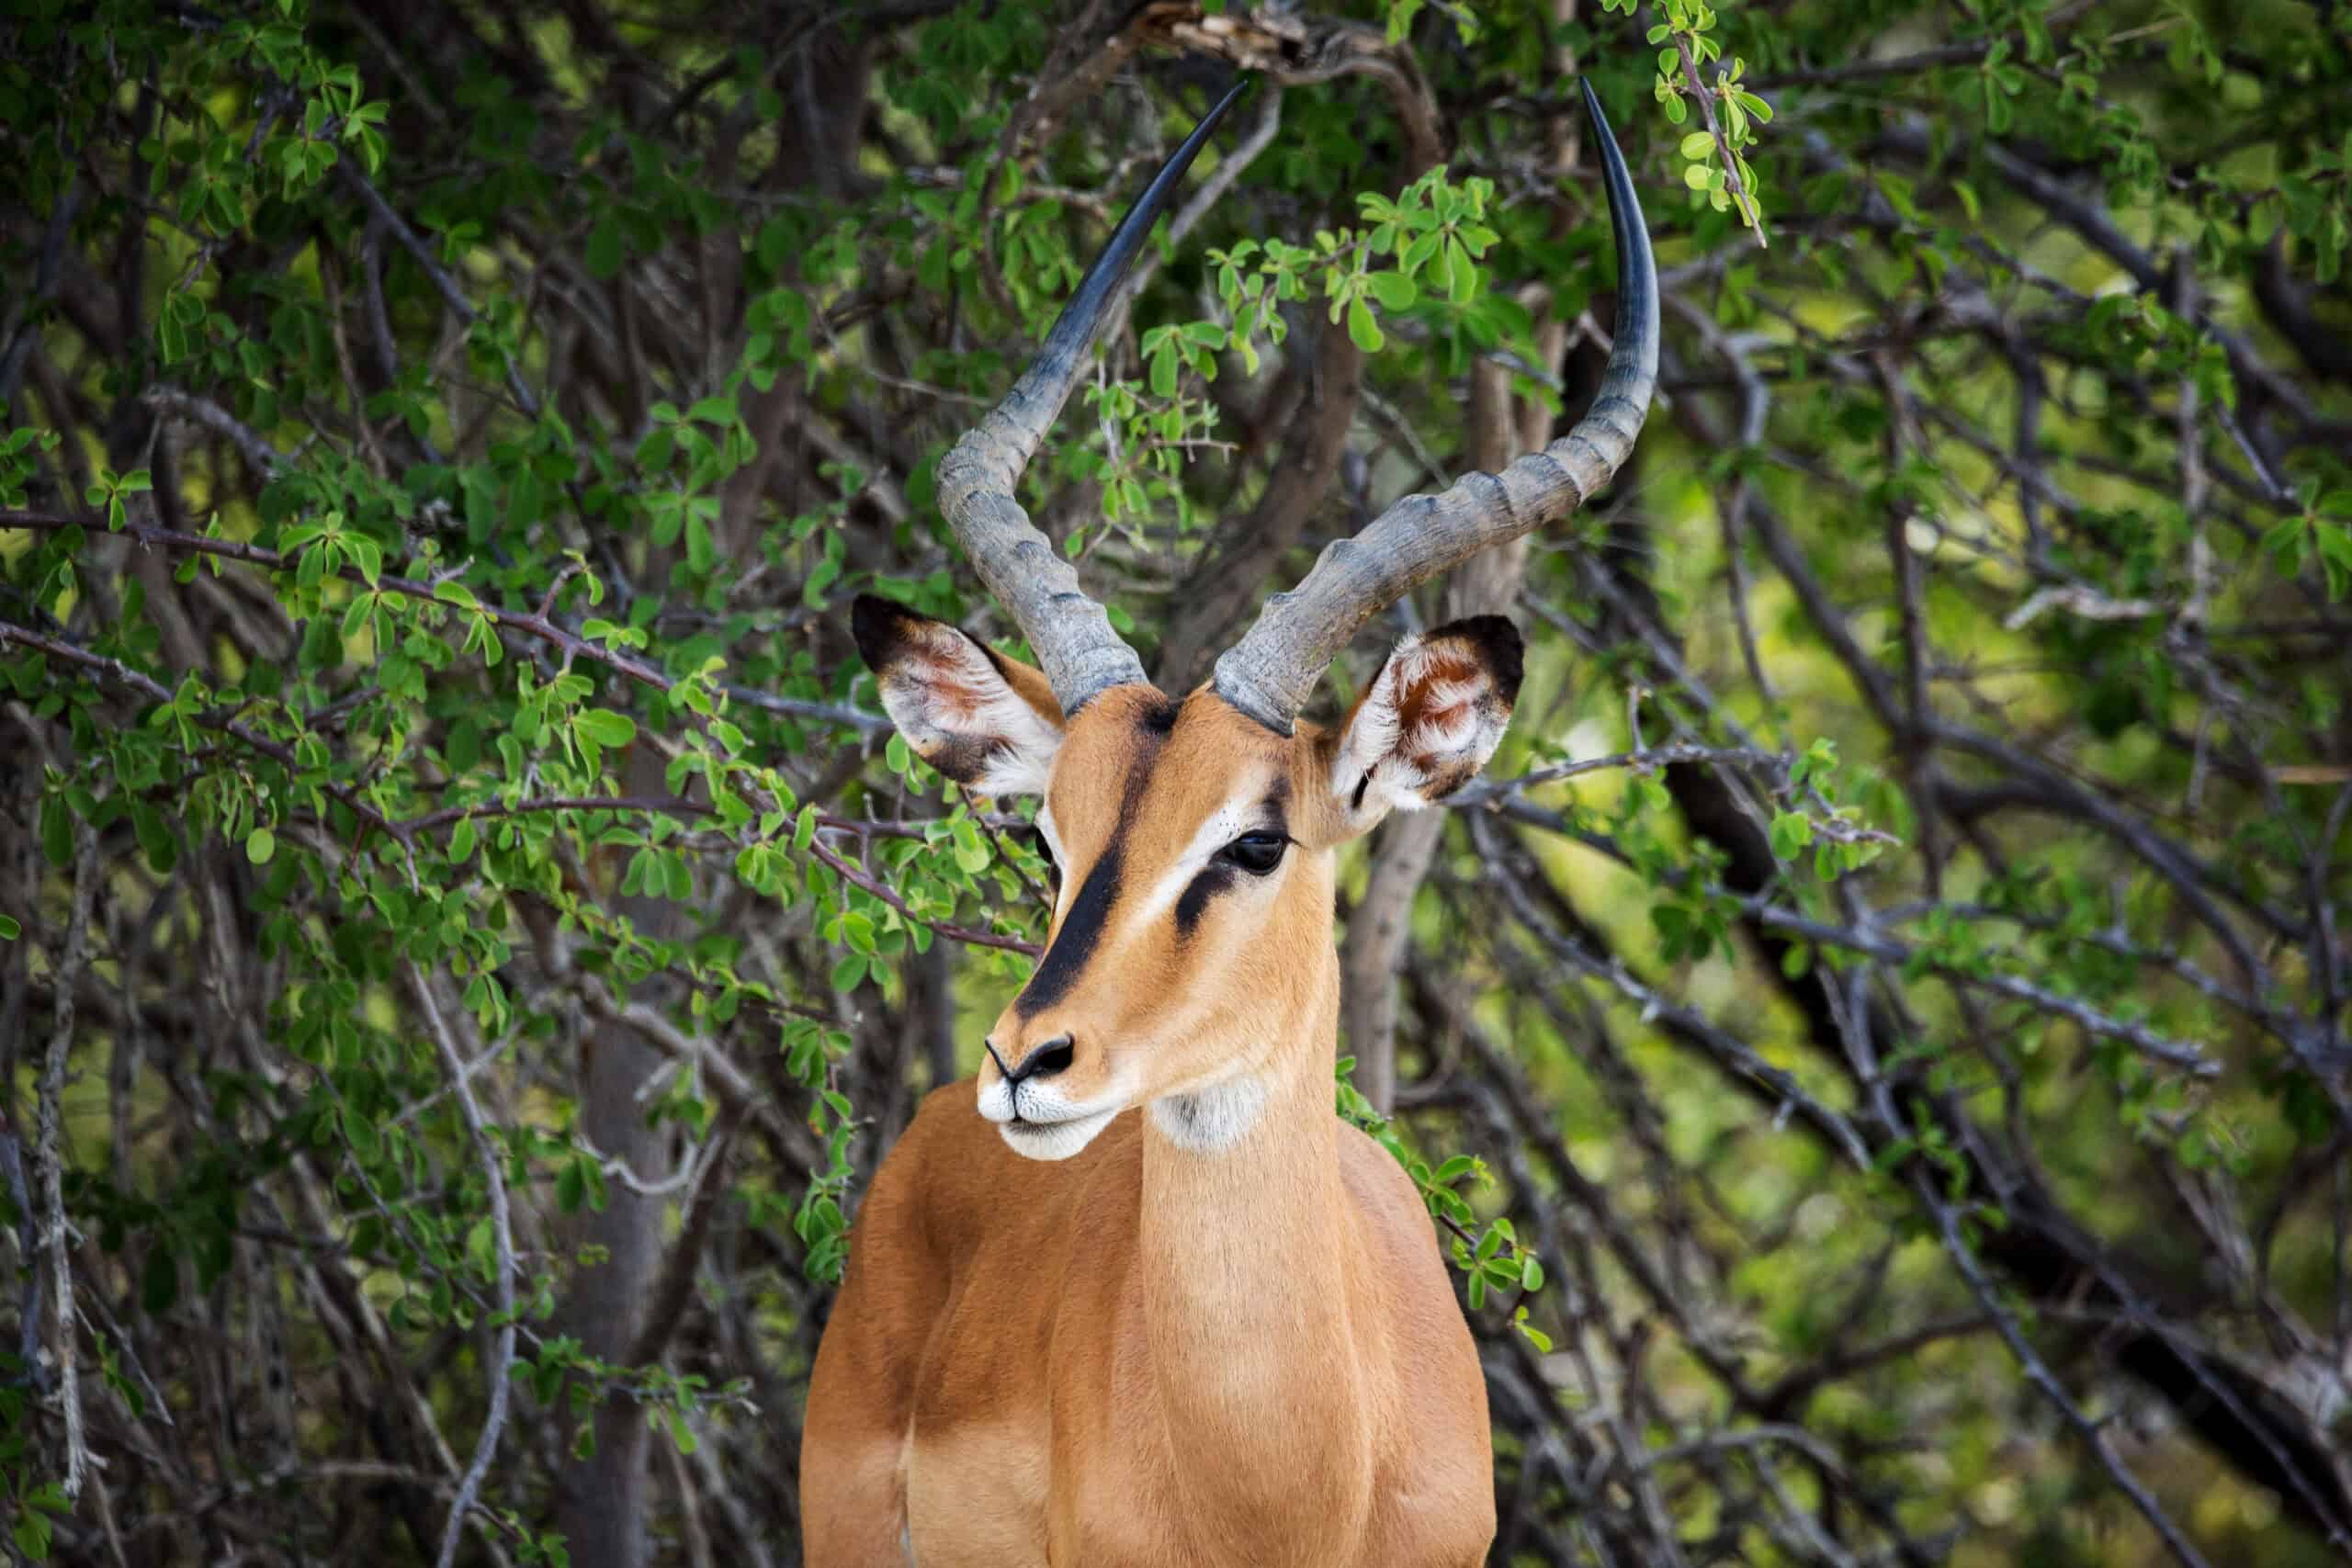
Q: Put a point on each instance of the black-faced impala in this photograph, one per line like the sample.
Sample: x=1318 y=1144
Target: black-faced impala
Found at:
x=1135 y=1295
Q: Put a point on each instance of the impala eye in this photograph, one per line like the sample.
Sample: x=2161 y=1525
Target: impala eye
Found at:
x=1257 y=854
x=1046 y=852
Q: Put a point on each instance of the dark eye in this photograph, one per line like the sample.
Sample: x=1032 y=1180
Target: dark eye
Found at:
x=1257 y=854
x=1046 y=852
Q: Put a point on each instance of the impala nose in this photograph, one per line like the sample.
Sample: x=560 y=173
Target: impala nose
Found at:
x=1046 y=1058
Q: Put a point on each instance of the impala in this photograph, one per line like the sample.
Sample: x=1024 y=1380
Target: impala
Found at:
x=1134 y=1294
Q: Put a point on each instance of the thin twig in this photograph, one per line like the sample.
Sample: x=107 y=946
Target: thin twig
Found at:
x=48 y=1161
x=965 y=935
x=1732 y=182
x=503 y=1243
x=12 y=1167
x=670 y=1293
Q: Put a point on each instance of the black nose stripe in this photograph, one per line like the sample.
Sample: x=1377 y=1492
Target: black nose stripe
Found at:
x=1081 y=933
x=1090 y=913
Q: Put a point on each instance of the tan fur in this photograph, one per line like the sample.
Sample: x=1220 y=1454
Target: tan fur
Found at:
x=1147 y=1353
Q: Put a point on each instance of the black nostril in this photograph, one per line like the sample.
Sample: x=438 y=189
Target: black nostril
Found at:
x=1053 y=1056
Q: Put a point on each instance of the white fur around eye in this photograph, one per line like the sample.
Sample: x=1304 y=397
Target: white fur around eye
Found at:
x=1241 y=814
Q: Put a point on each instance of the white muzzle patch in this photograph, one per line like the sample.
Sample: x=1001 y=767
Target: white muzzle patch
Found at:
x=1049 y=1126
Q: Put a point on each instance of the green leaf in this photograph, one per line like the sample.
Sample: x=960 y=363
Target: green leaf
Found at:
x=605 y=727
x=604 y=250
x=367 y=1143
x=1791 y=831
x=1362 y=329
x=1465 y=272
x=570 y=1187
x=971 y=854
x=57 y=831
x=31 y=1533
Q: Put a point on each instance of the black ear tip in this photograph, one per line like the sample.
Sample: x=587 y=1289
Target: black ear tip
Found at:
x=1498 y=645
x=877 y=627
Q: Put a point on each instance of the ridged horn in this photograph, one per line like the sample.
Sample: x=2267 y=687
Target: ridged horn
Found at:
x=1076 y=648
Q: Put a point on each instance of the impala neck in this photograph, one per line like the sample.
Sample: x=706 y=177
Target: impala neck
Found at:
x=1250 y=1261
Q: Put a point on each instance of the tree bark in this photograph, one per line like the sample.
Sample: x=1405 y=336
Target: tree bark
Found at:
x=600 y=1501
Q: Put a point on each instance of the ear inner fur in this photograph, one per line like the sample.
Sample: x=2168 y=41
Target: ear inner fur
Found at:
x=986 y=721
x=1429 y=719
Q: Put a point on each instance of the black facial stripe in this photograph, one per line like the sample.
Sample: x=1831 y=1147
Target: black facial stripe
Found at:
x=1089 y=912
x=1213 y=880
x=1090 y=915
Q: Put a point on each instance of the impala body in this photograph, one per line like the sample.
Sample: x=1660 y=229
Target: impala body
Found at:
x=1135 y=1296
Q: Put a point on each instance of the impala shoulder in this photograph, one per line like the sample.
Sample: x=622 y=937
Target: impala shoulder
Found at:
x=1369 y=1166
x=948 y=1140
x=1386 y=1195
x=935 y=1136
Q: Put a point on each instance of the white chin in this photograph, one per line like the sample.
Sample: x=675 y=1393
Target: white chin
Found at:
x=1054 y=1140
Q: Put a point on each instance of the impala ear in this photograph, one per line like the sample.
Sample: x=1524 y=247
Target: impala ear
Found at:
x=1428 y=722
x=988 y=722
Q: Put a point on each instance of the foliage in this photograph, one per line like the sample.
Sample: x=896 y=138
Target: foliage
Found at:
x=1875 y=1047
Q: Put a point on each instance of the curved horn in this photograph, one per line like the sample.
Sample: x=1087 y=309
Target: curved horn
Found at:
x=1269 y=673
x=1075 y=646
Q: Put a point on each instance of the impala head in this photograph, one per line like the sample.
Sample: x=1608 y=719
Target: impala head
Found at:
x=1192 y=897
x=1192 y=927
